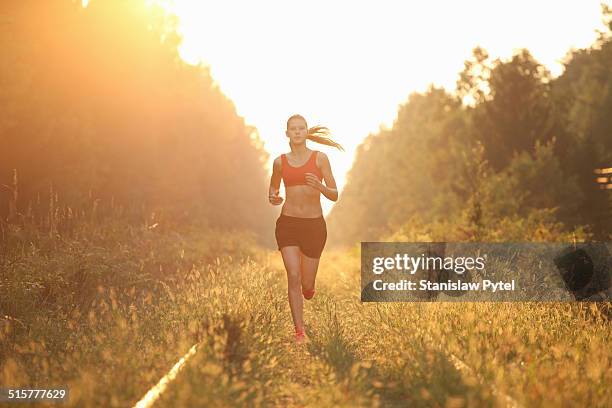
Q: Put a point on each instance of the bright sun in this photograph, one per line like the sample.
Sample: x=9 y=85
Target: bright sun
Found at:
x=348 y=65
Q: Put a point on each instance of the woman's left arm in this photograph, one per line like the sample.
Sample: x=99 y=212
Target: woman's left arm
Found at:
x=329 y=190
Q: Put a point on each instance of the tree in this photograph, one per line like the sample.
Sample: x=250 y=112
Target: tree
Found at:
x=98 y=100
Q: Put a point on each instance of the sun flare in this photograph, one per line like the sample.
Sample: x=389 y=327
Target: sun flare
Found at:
x=350 y=68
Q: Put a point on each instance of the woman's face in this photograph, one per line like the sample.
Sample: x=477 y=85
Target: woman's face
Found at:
x=297 y=131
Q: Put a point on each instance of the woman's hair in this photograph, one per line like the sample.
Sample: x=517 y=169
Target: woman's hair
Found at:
x=319 y=134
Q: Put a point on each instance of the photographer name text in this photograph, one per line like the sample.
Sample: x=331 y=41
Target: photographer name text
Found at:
x=424 y=284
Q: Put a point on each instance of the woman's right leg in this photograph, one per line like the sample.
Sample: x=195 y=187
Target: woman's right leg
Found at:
x=291 y=259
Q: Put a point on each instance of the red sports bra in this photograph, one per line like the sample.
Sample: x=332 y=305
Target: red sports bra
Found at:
x=293 y=176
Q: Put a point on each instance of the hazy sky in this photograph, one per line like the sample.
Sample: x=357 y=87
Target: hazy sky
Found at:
x=349 y=64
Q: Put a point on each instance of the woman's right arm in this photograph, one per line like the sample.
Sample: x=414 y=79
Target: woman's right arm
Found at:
x=275 y=181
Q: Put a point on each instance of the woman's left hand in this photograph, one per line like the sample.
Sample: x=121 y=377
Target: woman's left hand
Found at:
x=314 y=182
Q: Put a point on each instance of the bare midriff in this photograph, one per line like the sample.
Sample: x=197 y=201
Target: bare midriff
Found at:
x=302 y=201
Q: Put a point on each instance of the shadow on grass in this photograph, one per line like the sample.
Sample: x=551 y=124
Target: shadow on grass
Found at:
x=421 y=376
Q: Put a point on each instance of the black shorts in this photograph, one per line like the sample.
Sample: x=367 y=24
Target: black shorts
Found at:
x=309 y=234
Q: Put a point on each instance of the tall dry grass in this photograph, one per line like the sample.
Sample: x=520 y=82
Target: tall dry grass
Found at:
x=110 y=308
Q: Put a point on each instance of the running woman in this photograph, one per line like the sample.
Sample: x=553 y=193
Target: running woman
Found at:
x=301 y=231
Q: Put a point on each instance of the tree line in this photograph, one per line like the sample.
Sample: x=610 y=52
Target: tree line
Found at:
x=98 y=106
x=510 y=154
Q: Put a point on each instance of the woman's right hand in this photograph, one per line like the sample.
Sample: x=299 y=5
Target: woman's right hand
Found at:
x=275 y=199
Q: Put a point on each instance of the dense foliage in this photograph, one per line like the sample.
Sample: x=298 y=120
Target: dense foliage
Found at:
x=509 y=155
x=97 y=105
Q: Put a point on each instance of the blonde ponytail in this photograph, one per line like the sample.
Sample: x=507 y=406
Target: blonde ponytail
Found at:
x=318 y=134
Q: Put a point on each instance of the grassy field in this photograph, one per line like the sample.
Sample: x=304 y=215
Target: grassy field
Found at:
x=109 y=312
